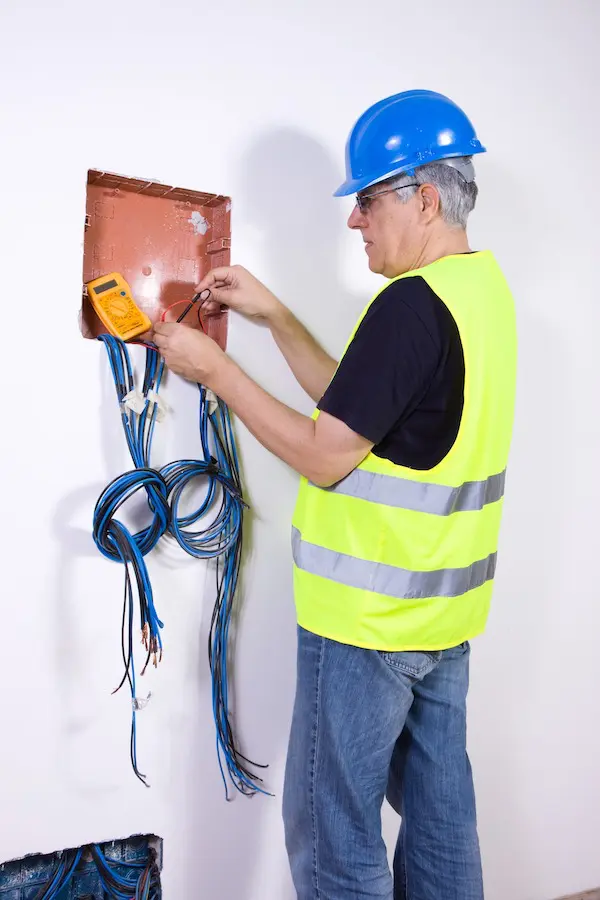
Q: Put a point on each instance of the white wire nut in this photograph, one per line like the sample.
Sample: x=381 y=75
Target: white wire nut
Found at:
x=211 y=400
x=161 y=407
x=135 y=401
x=139 y=703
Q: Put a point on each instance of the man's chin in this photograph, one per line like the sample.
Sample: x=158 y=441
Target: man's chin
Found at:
x=374 y=264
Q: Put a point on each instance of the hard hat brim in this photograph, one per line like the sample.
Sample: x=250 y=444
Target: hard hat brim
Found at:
x=354 y=185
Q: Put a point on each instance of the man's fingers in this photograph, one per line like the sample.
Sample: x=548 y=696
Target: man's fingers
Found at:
x=164 y=327
x=213 y=307
x=218 y=294
x=161 y=333
x=216 y=278
x=209 y=307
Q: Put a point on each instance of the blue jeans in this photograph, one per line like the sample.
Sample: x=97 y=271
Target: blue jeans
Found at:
x=368 y=724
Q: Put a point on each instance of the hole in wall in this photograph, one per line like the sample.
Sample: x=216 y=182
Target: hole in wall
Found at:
x=161 y=239
x=81 y=874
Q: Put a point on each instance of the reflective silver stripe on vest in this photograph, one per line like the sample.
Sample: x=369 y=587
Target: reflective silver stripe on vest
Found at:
x=382 y=578
x=404 y=493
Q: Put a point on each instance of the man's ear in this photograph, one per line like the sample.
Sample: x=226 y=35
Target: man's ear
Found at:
x=430 y=201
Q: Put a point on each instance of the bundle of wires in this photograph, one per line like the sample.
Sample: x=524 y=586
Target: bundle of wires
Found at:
x=61 y=876
x=219 y=539
x=143 y=884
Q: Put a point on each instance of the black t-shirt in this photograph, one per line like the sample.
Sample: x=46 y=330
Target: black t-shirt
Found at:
x=401 y=381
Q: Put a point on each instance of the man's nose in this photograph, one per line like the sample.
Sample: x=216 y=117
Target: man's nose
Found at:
x=357 y=219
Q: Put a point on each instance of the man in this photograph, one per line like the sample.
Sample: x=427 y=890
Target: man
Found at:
x=396 y=525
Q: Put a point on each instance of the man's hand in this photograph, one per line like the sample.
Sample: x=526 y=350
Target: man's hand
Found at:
x=189 y=353
x=236 y=288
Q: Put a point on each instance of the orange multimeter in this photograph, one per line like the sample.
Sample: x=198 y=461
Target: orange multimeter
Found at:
x=111 y=298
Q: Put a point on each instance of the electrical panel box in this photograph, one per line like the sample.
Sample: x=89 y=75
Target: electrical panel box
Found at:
x=161 y=239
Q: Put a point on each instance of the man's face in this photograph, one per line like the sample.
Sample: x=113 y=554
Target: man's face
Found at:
x=392 y=231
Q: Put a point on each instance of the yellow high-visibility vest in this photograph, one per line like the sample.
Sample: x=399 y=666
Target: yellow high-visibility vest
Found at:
x=392 y=558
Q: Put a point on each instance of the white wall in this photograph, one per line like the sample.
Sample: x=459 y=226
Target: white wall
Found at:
x=257 y=101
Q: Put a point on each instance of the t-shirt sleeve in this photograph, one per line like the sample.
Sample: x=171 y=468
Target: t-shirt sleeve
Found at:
x=389 y=364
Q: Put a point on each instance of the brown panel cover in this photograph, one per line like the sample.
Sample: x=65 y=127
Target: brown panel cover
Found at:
x=162 y=239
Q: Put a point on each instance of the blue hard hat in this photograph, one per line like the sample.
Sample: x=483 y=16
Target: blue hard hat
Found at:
x=402 y=132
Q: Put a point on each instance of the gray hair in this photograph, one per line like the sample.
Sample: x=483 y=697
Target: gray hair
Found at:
x=454 y=181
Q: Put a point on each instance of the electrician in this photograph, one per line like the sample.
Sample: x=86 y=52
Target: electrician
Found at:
x=396 y=525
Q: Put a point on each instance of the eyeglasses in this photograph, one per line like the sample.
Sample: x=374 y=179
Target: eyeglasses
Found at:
x=363 y=201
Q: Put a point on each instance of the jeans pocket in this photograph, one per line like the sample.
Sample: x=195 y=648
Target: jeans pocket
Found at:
x=416 y=663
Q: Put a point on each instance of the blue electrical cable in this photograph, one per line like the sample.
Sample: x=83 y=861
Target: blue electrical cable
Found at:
x=62 y=876
x=146 y=886
x=212 y=531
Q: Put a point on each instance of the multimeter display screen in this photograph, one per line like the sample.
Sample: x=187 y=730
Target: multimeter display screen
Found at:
x=105 y=287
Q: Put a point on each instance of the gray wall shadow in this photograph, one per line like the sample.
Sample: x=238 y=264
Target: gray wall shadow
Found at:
x=287 y=182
